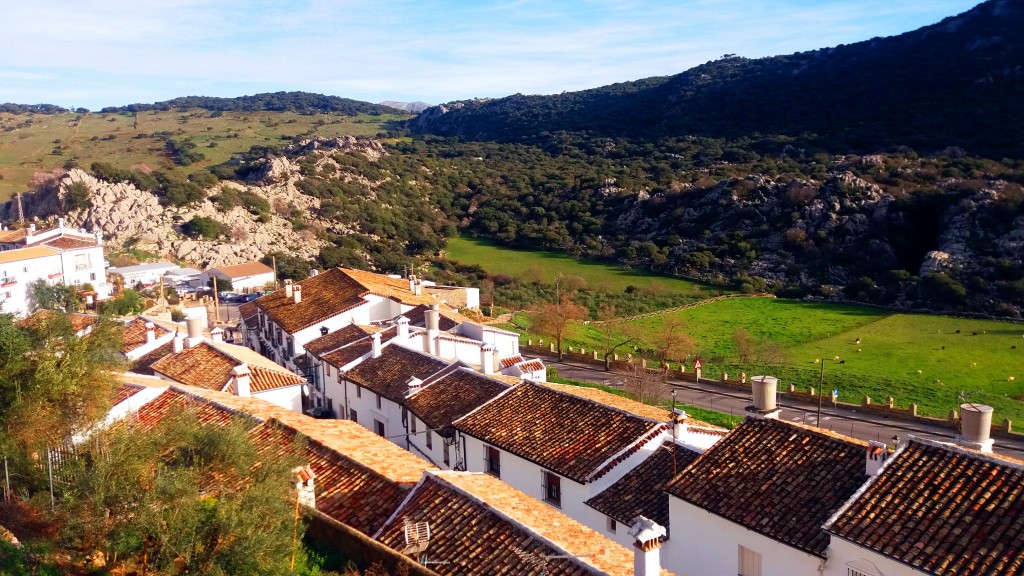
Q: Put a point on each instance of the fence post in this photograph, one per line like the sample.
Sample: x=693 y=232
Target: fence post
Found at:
x=7 y=482
x=49 y=467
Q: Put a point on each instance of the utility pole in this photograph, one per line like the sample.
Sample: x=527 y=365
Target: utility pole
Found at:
x=821 y=388
x=216 y=298
x=273 y=259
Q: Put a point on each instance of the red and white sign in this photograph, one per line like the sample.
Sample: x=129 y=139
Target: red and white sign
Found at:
x=696 y=364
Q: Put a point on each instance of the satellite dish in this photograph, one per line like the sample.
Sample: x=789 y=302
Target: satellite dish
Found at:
x=305 y=390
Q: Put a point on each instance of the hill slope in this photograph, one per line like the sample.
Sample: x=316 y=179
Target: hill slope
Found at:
x=955 y=83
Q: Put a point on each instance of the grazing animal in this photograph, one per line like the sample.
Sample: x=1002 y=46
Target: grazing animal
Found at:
x=835 y=357
x=943 y=347
x=858 y=341
x=1014 y=347
x=842 y=361
x=957 y=331
x=918 y=371
x=1011 y=378
x=974 y=333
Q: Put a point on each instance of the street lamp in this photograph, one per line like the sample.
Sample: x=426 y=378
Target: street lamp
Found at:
x=821 y=388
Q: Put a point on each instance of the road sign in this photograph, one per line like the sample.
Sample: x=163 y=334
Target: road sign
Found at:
x=696 y=364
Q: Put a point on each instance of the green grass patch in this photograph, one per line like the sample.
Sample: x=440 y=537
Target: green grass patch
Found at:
x=545 y=266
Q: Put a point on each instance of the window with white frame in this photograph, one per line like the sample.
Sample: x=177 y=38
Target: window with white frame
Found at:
x=353 y=415
x=430 y=440
x=359 y=391
x=378 y=401
x=378 y=427
x=447 y=457
x=492 y=461
x=612 y=525
x=412 y=423
x=749 y=562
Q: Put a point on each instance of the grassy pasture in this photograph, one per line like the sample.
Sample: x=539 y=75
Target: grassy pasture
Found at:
x=545 y=266
x=981 y=358
x=28 y=142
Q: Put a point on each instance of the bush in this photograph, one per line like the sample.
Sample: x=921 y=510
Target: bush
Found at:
x=204 y=227
x=76 y=196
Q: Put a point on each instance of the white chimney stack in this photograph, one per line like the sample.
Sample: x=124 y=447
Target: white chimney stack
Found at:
x=417 y=288
x=975 y=427
x=150 y=332
x=647 y=535
x=681 y=427
x=487 y=359
x=412 y=283
x=297 y=293
x=431 y=318
x=241 y=380
x=375 y=345
x=764 y=389
x=178 y=342
x=877 y=454
x=217 y=334
x=304 y=477
x=403 y=328
x=288 y=288
x=194 y=325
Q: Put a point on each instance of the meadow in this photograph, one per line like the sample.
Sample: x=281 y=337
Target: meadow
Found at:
x=924 y=359
x=32 y=143
x=545 y=266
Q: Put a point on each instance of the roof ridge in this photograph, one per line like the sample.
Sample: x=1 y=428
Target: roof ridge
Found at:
x=863 y=487
x=199 y=398
x=602 y=404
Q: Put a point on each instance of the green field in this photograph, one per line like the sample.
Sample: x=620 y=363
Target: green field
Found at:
x=30 y=142
x=985 y=358
x=545 y=266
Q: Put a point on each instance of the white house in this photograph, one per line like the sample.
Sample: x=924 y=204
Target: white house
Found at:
x=61 y=254
x=559 y=447
x=144 y=274
x=245 y=277
x=754 y=503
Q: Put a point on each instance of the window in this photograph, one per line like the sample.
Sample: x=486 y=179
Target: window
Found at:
x=359 y=391
x=447 y=458
x=553 y=489
x=612 y=525
x=378 y=427
x=430 y=440
x=291 y=347
x=327 y=369
x=92 y=276
x=412 y=423
x=749 y=562
x=492 y=461
x=330 y=406
x=353 y=415
x=378 y=401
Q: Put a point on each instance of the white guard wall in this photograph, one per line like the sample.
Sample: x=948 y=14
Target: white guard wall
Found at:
x=703 y=544
x=844 y=555
x=85 y=266
x=289 y=397
x=17 y=275
x=507 y=343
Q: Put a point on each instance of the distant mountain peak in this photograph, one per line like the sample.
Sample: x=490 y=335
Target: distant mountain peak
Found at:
x=413 y=107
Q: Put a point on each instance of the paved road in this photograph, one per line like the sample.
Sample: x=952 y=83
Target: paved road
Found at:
x=843 y=420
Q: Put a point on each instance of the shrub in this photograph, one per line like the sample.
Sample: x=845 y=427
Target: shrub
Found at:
x=203 y=227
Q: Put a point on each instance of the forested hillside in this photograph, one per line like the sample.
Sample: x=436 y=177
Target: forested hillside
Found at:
x=955 y=83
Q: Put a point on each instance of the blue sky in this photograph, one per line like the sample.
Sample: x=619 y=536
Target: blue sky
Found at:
x=97 y=53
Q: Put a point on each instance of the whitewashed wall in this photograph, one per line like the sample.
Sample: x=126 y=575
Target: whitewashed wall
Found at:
x=289 y=397
x=843 y=555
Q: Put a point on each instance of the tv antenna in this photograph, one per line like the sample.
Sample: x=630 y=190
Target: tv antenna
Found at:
x=962 y=398
x=417 y=538
x=540 y=560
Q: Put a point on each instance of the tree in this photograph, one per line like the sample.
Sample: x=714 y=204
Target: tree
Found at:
x=56 y=297
x=670 y=343
x=766 y=352
x=129 y=303
x=552 y=319
x=203 y=227
x=202 y=497
x=746 y=348
x=615 y=335
x=76 y=196
x=645 y=385
x=223 y=284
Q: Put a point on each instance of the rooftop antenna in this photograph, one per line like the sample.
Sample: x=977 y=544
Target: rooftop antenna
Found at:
x=961 y=398
x=540 y=560
x=417 y=538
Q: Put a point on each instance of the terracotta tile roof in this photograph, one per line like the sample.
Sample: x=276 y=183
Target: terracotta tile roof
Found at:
x=382 y=285
x=20 y=254
x=777 y=478
x=642 y=490
x=247 y=269
x=209 y=364
x=941 y=510
x=511 y=361
x=123 y=392
x=446 y=319
x=337 y=339
x=249 y=313
x=11 y=236
x=323 y=296
x=79 y=321
x=145 y=362
x=480 y=524
x=69 y=243
x=531 y=366
x=562 y=432
x=135 y=333
x=452 y=396
x=613 y=400
x=343 y=356
x=172 y=402
x=389 y=374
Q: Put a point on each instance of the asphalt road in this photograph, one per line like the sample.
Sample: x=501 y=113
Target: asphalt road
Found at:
x=864 y=426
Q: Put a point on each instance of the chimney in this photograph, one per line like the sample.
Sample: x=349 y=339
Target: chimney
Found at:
x=375 y=345
x=195 y=331
x=877 y=454
x=417 y=288
x=304 y=477
x=412 y=283
x=99 y=238
x=217 y=334
x=150 y=332
x=297 y=293
x=179 y=342
x=764 y=388
x=287 y=288
x=975 y=427
x=487 y=359
x=240 y=380
x=60 y=224
x=647 y=535
x=681 y=427
x=403 y=328
x=413 y=385
x=432 y=320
